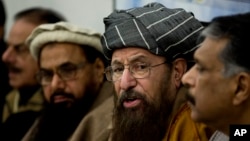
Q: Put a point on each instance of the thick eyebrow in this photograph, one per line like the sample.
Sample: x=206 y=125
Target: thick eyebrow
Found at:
x=198 y=61
x=134 y=58
x=64 y=64
x=115 y=62
x=16 y=45
x=138 y=57
x=45 y=70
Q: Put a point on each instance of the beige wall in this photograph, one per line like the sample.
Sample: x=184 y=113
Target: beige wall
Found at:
x=85 y=13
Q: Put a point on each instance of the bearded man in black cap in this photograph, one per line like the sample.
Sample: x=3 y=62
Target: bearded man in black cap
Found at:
x=150 y=48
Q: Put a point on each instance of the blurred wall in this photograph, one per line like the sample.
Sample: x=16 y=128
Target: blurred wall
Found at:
x=85 y=13
x=203 y=10
x=90 y=13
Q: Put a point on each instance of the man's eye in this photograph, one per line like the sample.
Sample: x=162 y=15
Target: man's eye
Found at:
x=140 y=66
x=46 y=75
x=199 y=68
x=66 y=70
x=20 y=48
x=117 y=69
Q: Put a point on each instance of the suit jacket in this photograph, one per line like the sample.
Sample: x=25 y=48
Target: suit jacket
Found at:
x=11 y=105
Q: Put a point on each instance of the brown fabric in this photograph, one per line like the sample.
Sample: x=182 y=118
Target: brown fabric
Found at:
x=12 y=106
x=182 y=127
x=105 y=92
x=103 y=97
x=96 y=126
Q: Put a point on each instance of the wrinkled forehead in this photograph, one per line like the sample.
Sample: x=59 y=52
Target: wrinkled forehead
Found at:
x=19 y=31
x=132 y=54
x=55 y=54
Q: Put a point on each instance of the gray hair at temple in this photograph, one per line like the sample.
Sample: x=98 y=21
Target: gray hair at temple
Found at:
x=236 y=28
x=171 y=33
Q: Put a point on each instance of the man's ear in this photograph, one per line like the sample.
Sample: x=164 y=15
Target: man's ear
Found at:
x=242 y=90
x=179 y=68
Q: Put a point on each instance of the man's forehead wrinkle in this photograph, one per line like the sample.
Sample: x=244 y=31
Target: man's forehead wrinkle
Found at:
x=133 y=58
x=57 y=66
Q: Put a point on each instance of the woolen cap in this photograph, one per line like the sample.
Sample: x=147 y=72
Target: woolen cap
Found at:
x=166 y=32
x=62 y=32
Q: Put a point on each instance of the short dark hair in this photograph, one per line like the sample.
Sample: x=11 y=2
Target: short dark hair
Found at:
x=236 y=28
x=39 y=15
x=2 y=14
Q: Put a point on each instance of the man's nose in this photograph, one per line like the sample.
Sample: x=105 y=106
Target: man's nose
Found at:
x=188 y=79
x=57 y=82
x=9 y=55
x=127 y=80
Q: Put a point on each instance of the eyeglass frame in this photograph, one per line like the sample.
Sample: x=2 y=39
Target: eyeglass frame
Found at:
x=59 y=74
x=130 y=70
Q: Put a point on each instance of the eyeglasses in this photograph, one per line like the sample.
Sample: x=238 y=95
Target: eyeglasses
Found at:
x=65 y=72
x=138 y=70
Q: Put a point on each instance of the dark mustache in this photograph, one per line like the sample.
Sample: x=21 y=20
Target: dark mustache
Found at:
x=61 y=93
x=14 y=69
x=190 y=98
x=130 y=94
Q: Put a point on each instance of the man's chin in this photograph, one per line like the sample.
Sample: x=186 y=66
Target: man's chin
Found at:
x=15 y=83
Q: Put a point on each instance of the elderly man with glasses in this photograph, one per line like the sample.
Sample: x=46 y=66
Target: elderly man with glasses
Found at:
x=149 y=49
x=71 y=66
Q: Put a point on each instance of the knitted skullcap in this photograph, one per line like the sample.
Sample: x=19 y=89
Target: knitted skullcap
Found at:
x=162 y=31
x=62 y=32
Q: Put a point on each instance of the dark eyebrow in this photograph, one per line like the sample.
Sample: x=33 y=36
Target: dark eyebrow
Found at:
x=135 y=58
x=139 y=57
x=62 y=65
x=195 y=60
x=18 y=45
x=116 y=62
x=198 y=62
x=65 y=64
x=21 y=47
x=45 y=70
